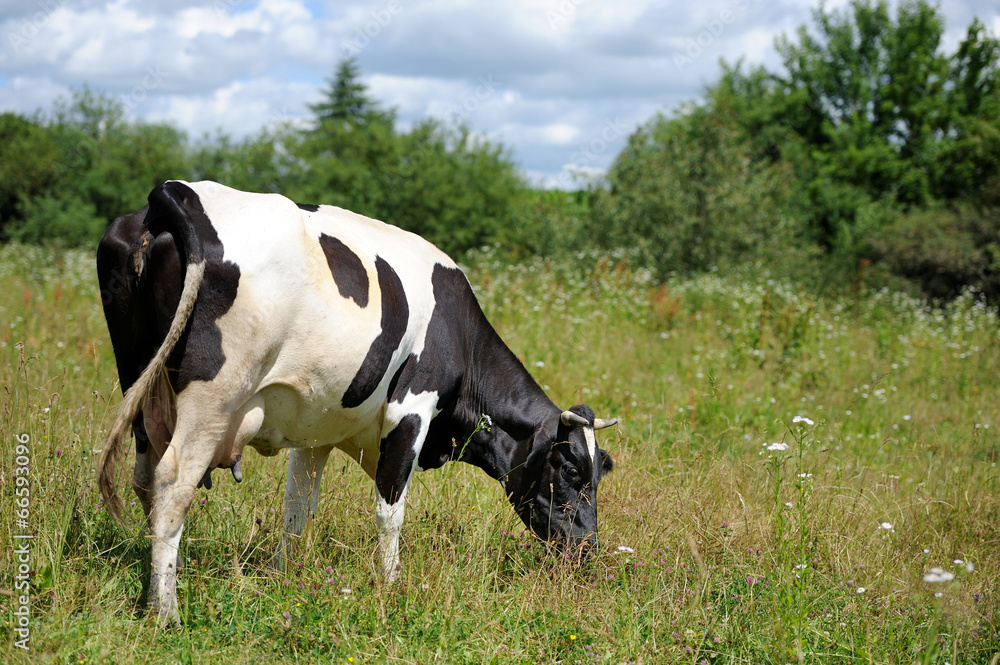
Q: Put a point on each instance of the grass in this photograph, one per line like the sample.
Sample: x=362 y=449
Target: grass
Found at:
x=738 y=550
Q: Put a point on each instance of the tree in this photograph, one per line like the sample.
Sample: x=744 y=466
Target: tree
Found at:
x=686 y=196
x=346 y=99
x=869 y=133
x=29 y=165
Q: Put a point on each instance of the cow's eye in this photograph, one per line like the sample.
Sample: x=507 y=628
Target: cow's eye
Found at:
x=570 y=471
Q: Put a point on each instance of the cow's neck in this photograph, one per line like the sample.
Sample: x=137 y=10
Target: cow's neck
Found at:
x=498 y=386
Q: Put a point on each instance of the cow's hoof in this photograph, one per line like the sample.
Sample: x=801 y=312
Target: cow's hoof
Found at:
x=166 y=614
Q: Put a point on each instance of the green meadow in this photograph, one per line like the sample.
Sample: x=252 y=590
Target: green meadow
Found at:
x=797 y=480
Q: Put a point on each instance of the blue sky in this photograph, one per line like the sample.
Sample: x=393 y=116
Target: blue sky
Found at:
x=560 y=82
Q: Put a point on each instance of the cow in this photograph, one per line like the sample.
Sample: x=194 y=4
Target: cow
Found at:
x=240 y=319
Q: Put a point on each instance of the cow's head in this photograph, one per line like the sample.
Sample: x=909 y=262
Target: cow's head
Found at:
x=559 y=501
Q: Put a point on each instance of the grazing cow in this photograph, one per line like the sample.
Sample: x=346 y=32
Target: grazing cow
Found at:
x=244 y=319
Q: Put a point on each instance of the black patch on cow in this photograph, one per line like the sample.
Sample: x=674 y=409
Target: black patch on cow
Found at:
x=348 y=272
x=442 y=360
x=128 y=304
x=412 y=358
x=474 y=373
x=395 y=315
x=308 y=207
x=198 y=356
x=165 y=264
x=127 y=299
x=395 y=462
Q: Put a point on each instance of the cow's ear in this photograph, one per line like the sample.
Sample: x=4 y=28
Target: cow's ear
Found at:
x=607 y=464
x=541 y=446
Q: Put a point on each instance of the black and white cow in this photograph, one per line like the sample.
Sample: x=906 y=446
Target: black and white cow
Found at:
x=244 y=319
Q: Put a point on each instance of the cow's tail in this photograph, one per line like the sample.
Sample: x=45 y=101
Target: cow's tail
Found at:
x=178 y=221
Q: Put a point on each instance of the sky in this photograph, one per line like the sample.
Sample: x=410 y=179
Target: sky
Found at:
x=561 y=83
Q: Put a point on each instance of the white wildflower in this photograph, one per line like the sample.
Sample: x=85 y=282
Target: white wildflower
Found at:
x=803 y=419
x=778 y=446
x=860 y=589
x=626 y=550
x=886 y=525
x=939 y=575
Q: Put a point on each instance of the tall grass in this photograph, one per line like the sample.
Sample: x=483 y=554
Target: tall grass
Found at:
x=730 y=533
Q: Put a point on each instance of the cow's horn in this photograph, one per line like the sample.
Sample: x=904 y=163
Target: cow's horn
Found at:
x=569 y=418
x=237 y=471
x=601 y=423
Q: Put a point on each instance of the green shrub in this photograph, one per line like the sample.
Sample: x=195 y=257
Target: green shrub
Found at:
x=65 y=222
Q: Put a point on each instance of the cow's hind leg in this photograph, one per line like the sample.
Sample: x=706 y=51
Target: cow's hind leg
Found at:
x=397 y=460
x=305 y=470
x=183 y=465
x=146 y=460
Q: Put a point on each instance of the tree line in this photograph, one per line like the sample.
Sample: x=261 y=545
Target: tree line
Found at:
x=64 y=176
x=870 y=151
x=870 y=154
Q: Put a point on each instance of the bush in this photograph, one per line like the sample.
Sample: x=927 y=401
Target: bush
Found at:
x=686 y=195
x=65 y=222
x=945 y=251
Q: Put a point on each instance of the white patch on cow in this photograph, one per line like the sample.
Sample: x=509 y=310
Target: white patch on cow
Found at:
x=588 y=435
x=422 y=404
x=291 y=337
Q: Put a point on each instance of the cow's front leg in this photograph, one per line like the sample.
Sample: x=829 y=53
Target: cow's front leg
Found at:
x=176 y=477
x=397 y=459
x=305 y=470
x=389 y=517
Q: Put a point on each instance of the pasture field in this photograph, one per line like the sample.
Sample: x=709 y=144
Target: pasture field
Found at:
x=731 y=531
